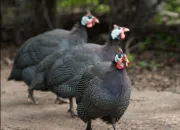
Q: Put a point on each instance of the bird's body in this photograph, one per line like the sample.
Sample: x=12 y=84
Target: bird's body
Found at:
x=103 y=92
x=61 y=72
x=37 y=48
x=61 y=67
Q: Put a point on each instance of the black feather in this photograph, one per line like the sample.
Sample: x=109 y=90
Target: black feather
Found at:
x=106 y=95
x=107 y=119
x=37 y=48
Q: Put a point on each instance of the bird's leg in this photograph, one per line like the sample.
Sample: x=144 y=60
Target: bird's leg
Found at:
x=89 y=125
x=114 y=123
x=60 y=101
x=31 y=97
x=71 y=109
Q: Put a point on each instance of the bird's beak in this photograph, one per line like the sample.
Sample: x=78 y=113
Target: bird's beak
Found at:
x=96 y=20
x=126 y=30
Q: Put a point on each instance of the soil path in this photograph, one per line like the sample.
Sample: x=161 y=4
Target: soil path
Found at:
x=148 y=110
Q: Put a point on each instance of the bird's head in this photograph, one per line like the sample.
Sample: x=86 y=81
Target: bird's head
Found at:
x=118 y=32
x=89 y=20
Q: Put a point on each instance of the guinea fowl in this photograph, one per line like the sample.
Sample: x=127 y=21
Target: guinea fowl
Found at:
x=37 y=48
x=103 y=92
x=61 y=72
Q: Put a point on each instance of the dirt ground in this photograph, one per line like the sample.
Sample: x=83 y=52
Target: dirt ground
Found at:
x=155 y=103
x=148 y=110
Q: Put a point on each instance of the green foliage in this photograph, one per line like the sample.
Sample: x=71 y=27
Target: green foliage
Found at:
x=95 y=4
x=172 y=6
x=168 y=15
x=178 y=9
x=102 y=8
x=143 y=64
x=131 y=57
x=162 y=40
x=132 y=65
x=17 y=13
x=172 y=41
x=153 y=65
x=76 y=3
x=141 y=46
x=148 y=40
x=158 y=19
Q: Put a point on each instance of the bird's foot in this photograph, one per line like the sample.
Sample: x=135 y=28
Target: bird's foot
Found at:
x=89 y=126
x=31 y=97
x=88 y=129
x=60 y=101
x=32 y=101
x=72 y=113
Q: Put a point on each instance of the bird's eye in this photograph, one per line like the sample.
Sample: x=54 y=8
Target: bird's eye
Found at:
x=90 y=17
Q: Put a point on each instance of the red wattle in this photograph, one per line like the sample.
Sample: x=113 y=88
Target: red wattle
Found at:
x=120 y=65
x=123 y=36
x=91 y=23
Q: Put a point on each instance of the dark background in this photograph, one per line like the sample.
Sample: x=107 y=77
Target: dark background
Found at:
x=153 y=41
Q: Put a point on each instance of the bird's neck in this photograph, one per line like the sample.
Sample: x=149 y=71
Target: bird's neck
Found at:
x=110 y=48
x=114 y=42
x=124 y=84
x=111 y=45
x=122 y=71
x=117 y=81
x=109 y=52
x=80 y=31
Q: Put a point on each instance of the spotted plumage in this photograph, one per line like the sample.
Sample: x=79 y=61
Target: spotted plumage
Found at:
x=61 y=71
x=37 y=48
x=103 y=92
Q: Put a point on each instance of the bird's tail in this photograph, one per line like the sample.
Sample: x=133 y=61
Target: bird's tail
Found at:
x=15 y=75
x=10 y=78
x=38 y=82
x=107 y=119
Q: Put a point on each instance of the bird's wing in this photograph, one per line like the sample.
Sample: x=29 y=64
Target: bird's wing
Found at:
x=83 y=83
x=42 y=69
x=37 y=48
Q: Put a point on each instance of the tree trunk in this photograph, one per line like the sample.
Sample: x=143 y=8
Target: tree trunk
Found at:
x=44 y=13
x=50 y=9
